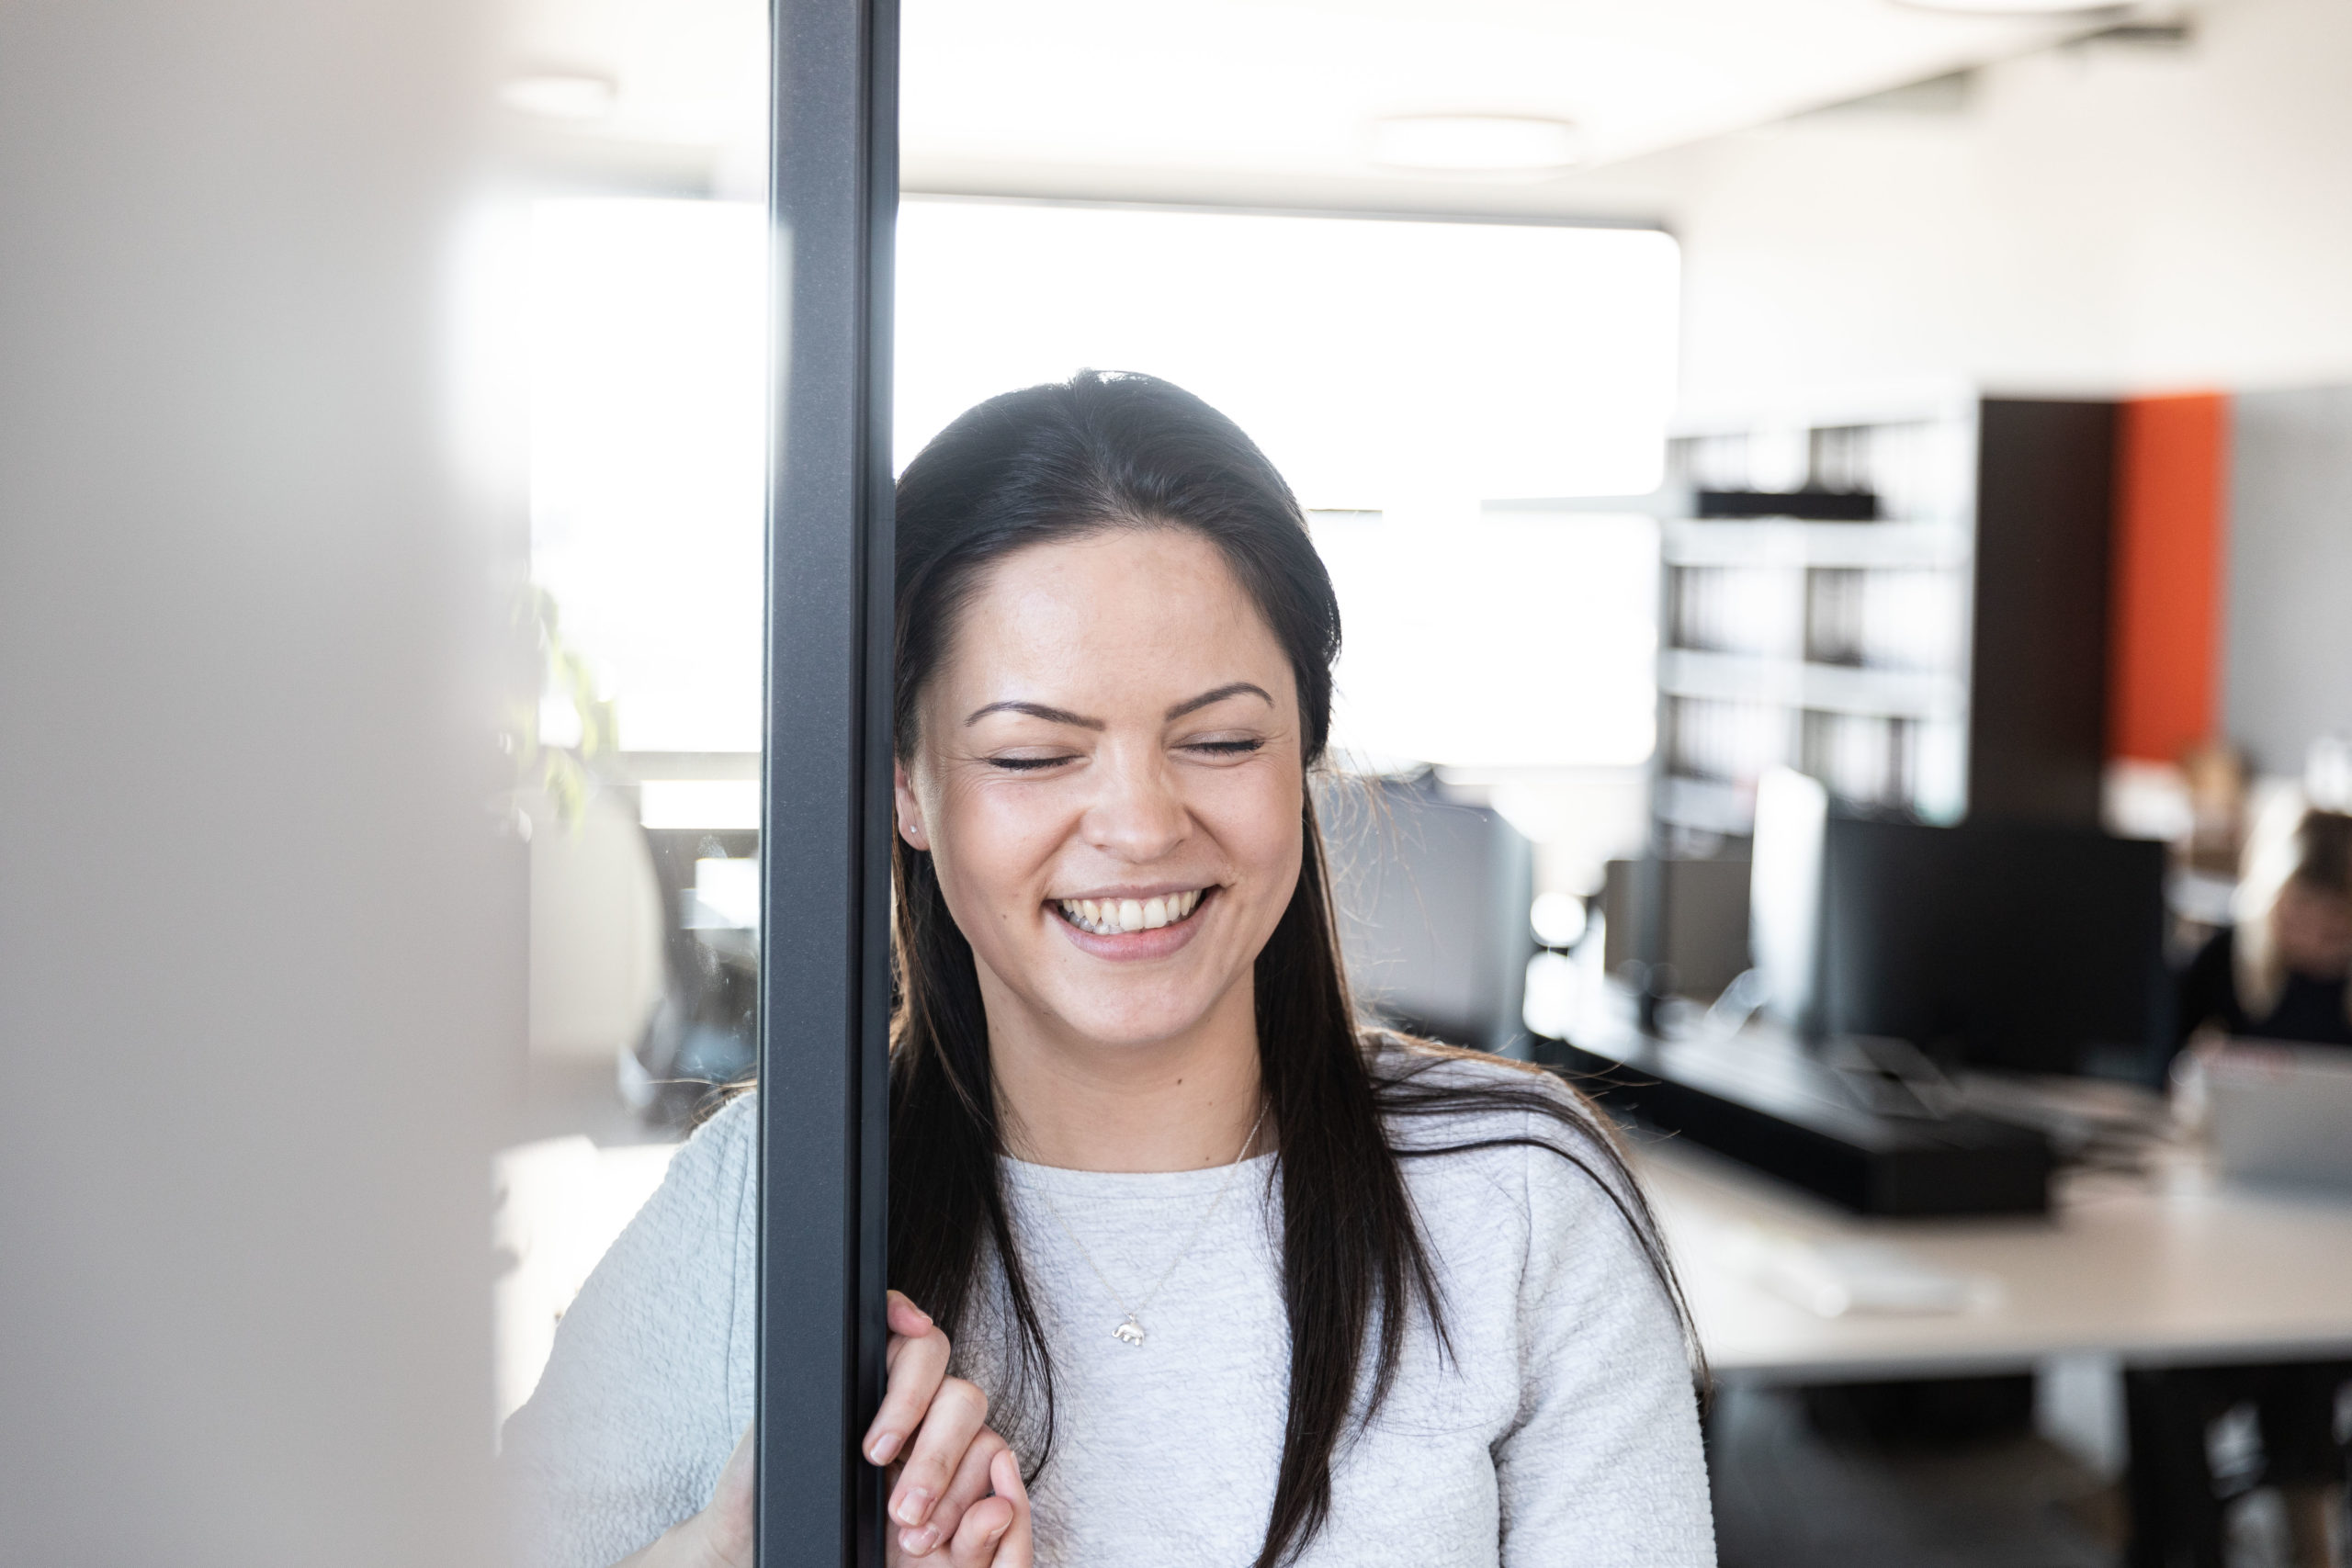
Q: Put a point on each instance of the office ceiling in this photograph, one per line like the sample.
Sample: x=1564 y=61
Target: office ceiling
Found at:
x=1008 y=92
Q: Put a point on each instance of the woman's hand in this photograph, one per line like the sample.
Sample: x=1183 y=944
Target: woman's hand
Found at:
x=956 y=1499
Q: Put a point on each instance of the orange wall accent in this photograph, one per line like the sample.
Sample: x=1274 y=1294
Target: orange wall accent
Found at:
x=2165 y=625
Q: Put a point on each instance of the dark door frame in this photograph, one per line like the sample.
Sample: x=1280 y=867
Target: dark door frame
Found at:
x=825 y=790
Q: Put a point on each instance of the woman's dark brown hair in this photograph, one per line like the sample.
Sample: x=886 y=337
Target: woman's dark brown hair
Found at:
x=1055 y=463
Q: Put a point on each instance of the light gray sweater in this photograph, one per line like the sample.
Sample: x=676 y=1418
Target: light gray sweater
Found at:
x=1563 y=1430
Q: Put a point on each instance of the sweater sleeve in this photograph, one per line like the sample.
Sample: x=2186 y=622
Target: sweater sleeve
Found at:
x=643 y=1397
x=1604 y=1465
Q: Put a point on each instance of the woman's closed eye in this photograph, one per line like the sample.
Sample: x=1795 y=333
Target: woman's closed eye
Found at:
x=1218 y=748
x=1237 y=747
x=1031 y=763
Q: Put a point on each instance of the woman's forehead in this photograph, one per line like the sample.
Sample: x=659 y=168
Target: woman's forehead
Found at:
x=1135 y=608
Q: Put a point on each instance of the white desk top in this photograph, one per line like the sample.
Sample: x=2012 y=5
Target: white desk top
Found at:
x=2193 y=1274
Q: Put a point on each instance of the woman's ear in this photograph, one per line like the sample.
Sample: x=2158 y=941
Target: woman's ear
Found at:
x=910 y=809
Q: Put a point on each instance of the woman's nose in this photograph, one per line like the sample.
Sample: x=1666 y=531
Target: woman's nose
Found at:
x=1138 y=816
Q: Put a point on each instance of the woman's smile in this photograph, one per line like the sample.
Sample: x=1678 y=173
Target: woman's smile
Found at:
x=1133 y=924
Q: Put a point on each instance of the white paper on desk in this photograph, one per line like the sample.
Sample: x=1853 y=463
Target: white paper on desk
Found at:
x=1844 y=1279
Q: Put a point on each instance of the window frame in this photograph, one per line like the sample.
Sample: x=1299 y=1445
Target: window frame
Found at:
x=825 y=781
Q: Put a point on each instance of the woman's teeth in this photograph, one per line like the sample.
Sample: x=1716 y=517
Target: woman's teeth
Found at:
x=1112 y=917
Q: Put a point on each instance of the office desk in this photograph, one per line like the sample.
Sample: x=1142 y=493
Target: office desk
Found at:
x=2172 y=1270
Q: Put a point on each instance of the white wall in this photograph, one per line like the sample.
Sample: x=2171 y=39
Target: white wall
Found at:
x=260 y=943
x=2287 y=675
x=2103 y=218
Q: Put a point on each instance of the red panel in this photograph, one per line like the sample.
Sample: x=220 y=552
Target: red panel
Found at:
x=2172 y=457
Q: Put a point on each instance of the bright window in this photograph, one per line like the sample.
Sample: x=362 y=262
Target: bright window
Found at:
x=1495 y=641
x=1376 y=361
x=648 y=456
x=1399 y=372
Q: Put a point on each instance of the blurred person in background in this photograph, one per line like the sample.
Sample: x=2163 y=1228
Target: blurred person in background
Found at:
x=2280 y=974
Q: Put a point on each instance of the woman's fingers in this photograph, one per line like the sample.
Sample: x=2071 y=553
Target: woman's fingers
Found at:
x=994 y=1532
x=908 y=1323
x=948 y=1502
x=957 y=1412
x=970 y=1485
x=978 y=1538
x=918 y=1363
x=907 y=1319
x=1016 y=1548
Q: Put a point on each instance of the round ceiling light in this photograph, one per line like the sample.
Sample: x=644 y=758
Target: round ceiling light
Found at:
x=561 y=95
x=1475 y=144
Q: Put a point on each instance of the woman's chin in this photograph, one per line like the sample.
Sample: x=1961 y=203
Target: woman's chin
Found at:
x=1147 y=1023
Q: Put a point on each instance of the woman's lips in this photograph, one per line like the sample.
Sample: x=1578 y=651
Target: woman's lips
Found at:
x=1135 y=946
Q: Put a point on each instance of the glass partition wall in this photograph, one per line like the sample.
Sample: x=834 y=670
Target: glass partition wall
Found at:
x=644 y=324
x=704 y=773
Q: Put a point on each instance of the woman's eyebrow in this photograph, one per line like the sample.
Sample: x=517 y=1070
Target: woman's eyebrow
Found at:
x=1205 y=698
x=1034 y=710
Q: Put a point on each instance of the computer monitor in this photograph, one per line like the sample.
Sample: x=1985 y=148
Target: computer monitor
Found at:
x=1433 y=896
x=2033 y=948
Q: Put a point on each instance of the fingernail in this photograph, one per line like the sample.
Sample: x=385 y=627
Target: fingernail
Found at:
x=880 y=1449
x=916 y=1542
x=913 y=1506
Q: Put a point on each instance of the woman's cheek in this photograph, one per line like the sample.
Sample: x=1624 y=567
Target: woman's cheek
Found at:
x=1010 y=836
x=1257 y=813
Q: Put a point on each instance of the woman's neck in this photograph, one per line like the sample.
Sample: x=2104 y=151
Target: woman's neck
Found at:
x=1184 y=1103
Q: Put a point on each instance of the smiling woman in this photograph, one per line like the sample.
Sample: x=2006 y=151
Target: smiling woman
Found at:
x=1230 y=1277
x=1122 y=791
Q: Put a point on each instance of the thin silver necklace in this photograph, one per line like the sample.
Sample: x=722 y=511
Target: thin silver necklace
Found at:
x=1130 y=1329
